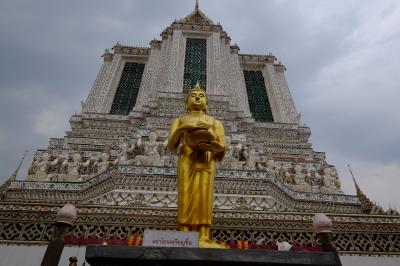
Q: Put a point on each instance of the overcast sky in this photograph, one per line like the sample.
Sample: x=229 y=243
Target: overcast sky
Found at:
x=342 y=59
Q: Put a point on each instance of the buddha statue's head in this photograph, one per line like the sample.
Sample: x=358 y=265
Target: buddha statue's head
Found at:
x=197 y=99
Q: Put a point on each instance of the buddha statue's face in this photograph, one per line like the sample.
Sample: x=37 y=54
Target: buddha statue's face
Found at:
x=196 y=100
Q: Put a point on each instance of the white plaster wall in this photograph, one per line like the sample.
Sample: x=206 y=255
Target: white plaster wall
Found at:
x=289 y=108
x=273 y=92
x=111 y=83
x=238 y=85
x=175 y=63
x=149 y=79
x=91 y=104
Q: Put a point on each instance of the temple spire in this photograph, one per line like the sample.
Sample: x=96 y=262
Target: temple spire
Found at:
x=367 y=206
x=196 y=17
x=358 y=189
x=13 y=177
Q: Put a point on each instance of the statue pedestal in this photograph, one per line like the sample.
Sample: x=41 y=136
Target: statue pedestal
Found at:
x=125 y=255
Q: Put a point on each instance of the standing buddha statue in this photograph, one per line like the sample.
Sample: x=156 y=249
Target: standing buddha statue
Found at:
x=202 y=142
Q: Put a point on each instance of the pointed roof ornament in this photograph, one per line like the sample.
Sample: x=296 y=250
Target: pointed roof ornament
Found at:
x=197 y=17
x=197 y=86
x=12 y=178
x=358 y=189
x=367 y=206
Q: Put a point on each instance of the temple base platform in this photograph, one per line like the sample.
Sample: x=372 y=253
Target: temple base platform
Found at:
x=126 y=255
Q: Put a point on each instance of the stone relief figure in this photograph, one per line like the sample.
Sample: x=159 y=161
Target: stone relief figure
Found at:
x=337 y=181
x=202 y=143
x=260 y=166
x=151 y=151
x=74 y=168
x=167 y=157
x=300 y=183
x=334 y=176
x=228 y=147
x=41 y=168
x=33 y=169
x=284 y=172
x=329 y=181
x=314 y=178
x=237 y=151
x=104 y=164
x=250 y=156
x=90 y=169
x=230 y=161
x=125 y=156
x=272 y=167
x=169 y=161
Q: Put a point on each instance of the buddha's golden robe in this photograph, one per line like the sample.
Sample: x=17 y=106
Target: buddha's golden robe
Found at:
x=196 y=172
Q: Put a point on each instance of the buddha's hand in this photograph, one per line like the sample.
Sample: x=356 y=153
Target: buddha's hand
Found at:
x=190 y=126
x=202 y=125
x=210 y=146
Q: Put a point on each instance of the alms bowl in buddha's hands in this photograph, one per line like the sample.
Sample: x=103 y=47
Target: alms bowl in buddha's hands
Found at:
x=197 y=136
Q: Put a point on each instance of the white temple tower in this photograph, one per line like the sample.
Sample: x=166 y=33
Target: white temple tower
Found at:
x=113 y=164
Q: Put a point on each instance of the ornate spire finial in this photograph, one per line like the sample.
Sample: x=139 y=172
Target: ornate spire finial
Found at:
x=367 y=206
x=13 y=177
x=358 y=189
x=197 y=86
x=196 y=7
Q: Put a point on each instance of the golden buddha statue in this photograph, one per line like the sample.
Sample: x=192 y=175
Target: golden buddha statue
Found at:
x=202 y=142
